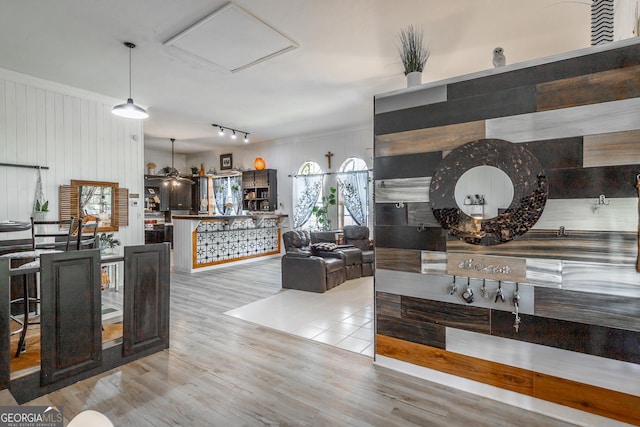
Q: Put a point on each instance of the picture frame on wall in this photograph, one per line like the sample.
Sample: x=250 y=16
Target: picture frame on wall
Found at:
x=226 y=161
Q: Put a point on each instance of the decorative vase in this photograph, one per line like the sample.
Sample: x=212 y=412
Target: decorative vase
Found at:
x=259 y=164
x=414 y=78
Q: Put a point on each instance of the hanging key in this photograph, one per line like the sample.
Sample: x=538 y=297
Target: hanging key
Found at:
x=499 y=294
x=484 y=290
x=454 y=288
x=467 y=295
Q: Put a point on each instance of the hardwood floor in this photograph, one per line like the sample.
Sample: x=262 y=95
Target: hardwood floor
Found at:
x=222 y=371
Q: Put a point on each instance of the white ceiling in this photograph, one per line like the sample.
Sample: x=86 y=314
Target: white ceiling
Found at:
x=347 y=52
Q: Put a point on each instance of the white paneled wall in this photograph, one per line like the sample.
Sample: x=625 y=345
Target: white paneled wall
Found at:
x=73 y=133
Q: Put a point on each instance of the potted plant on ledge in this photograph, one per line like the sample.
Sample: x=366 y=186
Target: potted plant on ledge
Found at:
x=413 y=54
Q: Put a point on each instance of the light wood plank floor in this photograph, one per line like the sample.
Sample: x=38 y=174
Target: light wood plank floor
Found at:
x=222 y=371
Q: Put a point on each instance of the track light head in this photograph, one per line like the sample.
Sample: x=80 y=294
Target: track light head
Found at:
x=221 y=131
x=233 y=135
x=246 y=138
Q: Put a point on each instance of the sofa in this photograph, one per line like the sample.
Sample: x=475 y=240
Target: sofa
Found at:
x=302 y=269
x=358 y=236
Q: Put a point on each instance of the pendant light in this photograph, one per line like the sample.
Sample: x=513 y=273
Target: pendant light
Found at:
x=129 y=109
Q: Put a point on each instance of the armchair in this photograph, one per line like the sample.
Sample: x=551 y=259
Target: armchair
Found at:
x=306 y=272
x=358 y=236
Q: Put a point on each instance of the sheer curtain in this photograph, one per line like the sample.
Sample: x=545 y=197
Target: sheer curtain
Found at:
x=306 y=190
x=354 y=190
x=219 y=194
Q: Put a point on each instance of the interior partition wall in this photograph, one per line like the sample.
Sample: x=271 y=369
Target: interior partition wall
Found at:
x=564 y=252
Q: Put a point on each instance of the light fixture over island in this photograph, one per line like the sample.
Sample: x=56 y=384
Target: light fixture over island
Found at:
x=204 y=242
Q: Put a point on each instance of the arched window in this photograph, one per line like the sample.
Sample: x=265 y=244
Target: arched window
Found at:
x=353 y=181
x=307 y=191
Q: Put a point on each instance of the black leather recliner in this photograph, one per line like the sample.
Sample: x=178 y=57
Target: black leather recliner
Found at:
x=358 y=236
x=306 y=272
x=352 y=256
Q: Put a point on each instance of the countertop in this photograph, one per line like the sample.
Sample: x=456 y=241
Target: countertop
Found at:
x=199 y=217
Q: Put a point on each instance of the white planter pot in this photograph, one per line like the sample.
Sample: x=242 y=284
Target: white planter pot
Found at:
x=414 y=78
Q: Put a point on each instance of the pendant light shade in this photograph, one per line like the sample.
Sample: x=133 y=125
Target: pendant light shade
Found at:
x=129 y=109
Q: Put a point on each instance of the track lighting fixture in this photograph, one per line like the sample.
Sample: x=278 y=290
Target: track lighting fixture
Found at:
x=234 y=132
x=129 y=109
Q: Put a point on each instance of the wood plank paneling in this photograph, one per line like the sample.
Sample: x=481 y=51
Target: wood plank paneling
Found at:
x=398 y=259
x=610 y=85
x=588 y=246
x=611 y=149
x=502 y=102
x=612 y=181
x=465 y=317
x=601 y=278
x=620 y=215
x=593 y=62
x=433 y=262
x=607 y=117
x=499 y=375
x=598 y=309
x=440 y=138
x=388 y=305
x=546 y=387
x=395 y=236
x=584 y=368
x=146 y=298
x=558 y=153
x=596 y=400
x=402 y=190
x=421 y=214
x=390 y=214
x=411 y=330
x=596 y=340
x=407 y=165
x=71 y=327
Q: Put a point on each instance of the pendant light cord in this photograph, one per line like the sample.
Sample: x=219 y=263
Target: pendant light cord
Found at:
x=130 y=72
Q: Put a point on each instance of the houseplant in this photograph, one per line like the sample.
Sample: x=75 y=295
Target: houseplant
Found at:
x=322 y=213
x=40 y=210
x=107 y=242
x=413 y=54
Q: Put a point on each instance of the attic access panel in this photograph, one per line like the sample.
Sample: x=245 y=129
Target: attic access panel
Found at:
x=232 y=38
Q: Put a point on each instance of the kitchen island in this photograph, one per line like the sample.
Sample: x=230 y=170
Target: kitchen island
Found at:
x=203 y=242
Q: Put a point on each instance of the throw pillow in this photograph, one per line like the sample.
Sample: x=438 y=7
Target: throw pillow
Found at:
x=323 y=247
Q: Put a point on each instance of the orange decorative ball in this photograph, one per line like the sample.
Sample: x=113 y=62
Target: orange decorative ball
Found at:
x=259 y=164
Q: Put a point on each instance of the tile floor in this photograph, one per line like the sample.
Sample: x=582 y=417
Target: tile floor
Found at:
x=341 y=317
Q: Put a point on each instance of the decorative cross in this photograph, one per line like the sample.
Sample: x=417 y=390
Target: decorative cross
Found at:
x=329 y=155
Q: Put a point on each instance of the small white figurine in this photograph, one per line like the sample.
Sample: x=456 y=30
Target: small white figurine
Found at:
x=498 y=57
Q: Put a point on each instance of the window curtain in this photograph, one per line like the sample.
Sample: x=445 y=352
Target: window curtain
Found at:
x=306 y=190
x=219 y=193
x=354 y=190
x=235 y=184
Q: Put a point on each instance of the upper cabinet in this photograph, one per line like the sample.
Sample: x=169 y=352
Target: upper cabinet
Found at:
x=260 y=190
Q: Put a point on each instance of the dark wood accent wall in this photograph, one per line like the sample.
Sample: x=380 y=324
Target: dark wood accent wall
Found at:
x=146 y=315
x=589 y=302
x=71 y=327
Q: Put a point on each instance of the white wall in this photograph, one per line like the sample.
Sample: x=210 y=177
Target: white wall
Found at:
x=71 y=131
x=286 y=155
x=163 y=159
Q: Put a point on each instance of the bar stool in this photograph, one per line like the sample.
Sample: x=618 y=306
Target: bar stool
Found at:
x=25 y=264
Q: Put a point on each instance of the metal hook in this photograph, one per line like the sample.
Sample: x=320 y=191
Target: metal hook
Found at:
x=561 y=232
x=400 y=205
x=602 y=200
x=421 y=227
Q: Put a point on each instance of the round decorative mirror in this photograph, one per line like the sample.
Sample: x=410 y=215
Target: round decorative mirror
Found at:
x=488 y=191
